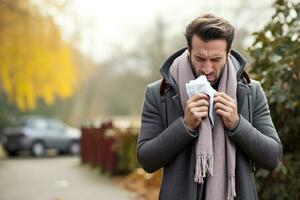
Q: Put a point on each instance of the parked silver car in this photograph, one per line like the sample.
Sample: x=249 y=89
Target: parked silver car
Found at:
x=37 y=134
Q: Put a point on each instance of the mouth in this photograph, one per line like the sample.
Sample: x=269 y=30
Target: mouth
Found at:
x=210 y=77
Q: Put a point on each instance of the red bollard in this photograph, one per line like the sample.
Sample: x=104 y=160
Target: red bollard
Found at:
x=90 y=146
x=109 y=164
x=101 y=147
x=110 y=161
x=97 y=135
x=83 y=141
x=97 y=147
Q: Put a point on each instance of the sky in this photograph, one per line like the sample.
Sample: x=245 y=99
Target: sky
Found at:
x=105 y=25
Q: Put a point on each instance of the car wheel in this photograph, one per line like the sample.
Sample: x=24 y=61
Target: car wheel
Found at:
x=38 y=149
x=61 y=152
x=74 y=148
x=12 y=153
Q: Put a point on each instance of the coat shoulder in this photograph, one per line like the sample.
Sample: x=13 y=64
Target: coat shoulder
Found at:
x=254 y=83
x=155 y=87
x=155 y=84
x=256 y=87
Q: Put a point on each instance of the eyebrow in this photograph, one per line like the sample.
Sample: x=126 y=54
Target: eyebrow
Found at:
x=213 y=57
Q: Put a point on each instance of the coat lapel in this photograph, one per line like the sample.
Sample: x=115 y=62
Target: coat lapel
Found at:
x=174 y=108
x=176 y=99
x=243 y=93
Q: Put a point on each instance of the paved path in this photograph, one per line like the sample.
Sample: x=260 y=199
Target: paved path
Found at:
x=55 y=178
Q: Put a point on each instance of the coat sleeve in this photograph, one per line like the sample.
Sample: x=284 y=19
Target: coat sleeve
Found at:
x=157 y=146
x=259 y=140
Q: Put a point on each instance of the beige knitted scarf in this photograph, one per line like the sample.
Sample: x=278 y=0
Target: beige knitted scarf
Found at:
x=215 y=153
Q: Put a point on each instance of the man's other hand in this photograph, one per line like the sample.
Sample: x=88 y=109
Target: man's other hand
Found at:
x=226 y=107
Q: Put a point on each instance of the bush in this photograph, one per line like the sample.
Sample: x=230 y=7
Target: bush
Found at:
x=276 y=58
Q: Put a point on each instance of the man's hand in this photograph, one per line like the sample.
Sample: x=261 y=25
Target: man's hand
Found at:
x=196 y=108
x=226 y=107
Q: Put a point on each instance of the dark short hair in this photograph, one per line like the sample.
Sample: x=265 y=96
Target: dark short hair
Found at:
x=209 y=27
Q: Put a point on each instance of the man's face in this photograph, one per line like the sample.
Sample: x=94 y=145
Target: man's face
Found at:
x=208 y=58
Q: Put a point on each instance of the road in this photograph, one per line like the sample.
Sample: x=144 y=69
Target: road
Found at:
x=55 y=178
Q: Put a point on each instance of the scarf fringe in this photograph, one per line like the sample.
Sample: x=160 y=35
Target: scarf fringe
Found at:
x=204 y=167
x=231 y=188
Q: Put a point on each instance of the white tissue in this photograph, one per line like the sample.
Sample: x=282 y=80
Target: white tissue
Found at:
x=201 y=85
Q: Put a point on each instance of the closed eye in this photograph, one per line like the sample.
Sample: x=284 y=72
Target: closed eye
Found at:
x=201 y=59
x=216 y=60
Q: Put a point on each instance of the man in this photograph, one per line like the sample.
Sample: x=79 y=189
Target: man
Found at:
x=202 y=157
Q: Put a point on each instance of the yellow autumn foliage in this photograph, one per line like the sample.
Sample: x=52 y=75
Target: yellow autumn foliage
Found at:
x=34 y=61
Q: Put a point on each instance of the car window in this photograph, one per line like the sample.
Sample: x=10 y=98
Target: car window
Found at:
x=36 y=123
x=54 y=124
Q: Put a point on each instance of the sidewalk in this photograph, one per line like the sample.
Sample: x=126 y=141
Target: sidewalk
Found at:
x=55 y=178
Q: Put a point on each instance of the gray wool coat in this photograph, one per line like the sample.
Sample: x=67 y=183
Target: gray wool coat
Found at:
x=164 y=142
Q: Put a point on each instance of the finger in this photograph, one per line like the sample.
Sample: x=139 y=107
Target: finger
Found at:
x=199 y=96
x=221 y=95
x=222 y=113
x=223 y=107
x=224 y=101
x=202 y=102
x=225 y=96
x=201 y=114
x=200 y=109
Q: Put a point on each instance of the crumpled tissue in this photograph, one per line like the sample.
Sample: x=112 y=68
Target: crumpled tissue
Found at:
x=201 y=85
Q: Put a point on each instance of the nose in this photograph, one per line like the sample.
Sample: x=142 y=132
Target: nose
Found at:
x=207 y=67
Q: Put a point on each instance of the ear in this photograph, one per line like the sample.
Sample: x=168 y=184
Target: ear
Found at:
x=229 y=52
x=189 y=52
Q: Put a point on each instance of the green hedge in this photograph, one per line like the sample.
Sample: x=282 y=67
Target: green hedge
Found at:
x=276 y=55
